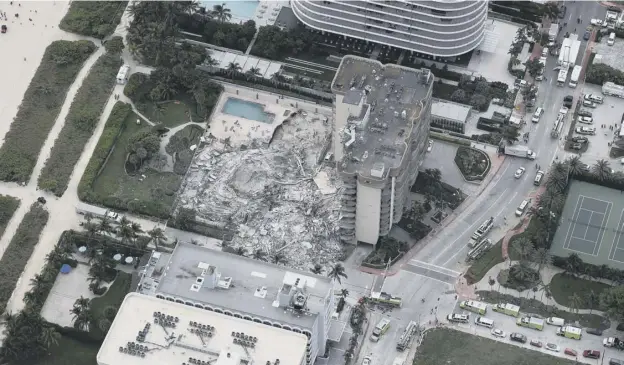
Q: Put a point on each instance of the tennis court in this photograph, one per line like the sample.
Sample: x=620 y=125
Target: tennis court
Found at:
x=591 y=225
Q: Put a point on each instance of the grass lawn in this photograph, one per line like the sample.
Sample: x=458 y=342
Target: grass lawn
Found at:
x=70 y=352
x=451 y=347
x=535 y=306
x=481 y=266
x=114 y=184
x=8 y=206
x=113 y=297
x=562 y=287
x=170 y=113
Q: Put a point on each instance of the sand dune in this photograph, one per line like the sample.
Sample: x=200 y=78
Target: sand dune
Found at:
x=25 y=39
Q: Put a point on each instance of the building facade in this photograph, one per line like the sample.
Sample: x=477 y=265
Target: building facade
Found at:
x=381 y=127
x=244 y=288
x=449 y=115
x=439 y=28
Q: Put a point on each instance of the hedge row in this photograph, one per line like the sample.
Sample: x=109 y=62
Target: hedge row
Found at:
x=600 y=73
x=19 y=251
x=81 y=121
x=40 y=107
x=8 y=206
x=93 y=18
x=112 y=129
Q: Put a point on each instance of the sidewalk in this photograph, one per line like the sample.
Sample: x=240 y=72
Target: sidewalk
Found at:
x=497 y=162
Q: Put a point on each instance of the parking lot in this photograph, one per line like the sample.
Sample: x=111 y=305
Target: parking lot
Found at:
x=610 y=114
x=548 y=335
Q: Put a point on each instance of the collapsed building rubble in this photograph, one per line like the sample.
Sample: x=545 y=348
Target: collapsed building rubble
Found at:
x=283 y=198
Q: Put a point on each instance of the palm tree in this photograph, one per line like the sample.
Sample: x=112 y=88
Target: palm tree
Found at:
x=81 y=312
x=37 y=280
x=49 y=337
x=221 y=13
x=542 y=258
x=211 y=62
x=602 y=170
x=253 y=72
x=524 y=248
x=317 y=269
x=157 y=235
x=344 y=293
x=575 y=166
x=557 y=181
x=233 y=68
x=258 y=254
x=591 y=298
x=573 y=264
x=551 y=10
x=576 y=302
x=105 y=226
x=337 y=272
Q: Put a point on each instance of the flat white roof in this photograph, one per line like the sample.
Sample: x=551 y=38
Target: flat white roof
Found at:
x=193 y=336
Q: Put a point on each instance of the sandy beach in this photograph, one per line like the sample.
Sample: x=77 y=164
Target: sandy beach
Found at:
x=29 y=39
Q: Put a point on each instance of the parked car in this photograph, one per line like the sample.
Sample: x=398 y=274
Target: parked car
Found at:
x=429 y=146
x=518 y=337
x=584 y=113
x=4 y=28
x=585 y=120
x=498 y=333
x=576 y=146
x=589 y=104
x=552 y=347
x=519 y=172
x=613 y=361
x=536 y=343
x=585 y=130
x=593 y=97
x=460 y=318
x=567 y=101
x=570 y=352
x=586 y=35
x=594 y=331
x=596 y=22
x=591 y=354
x=579 y=139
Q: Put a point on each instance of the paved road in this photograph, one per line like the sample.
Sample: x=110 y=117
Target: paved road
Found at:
x=432 y=270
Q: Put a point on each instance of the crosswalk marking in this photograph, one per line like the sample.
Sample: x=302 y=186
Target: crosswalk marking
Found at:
x=436 y=268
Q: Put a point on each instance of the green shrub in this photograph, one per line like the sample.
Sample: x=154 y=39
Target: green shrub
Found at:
x=112 y=129
x=93 y=18
x=81 y=121
x=600 y=73
x=8 y=206
x=40 y=107
x=19 y=251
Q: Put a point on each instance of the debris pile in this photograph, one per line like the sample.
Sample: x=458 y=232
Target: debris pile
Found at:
x=281 y=200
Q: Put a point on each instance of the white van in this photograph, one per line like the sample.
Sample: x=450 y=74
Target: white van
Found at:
x=485 y=322
x=545 y=52
x=611 y=40
x=522 y=207
x=537 y=115
x=555 y=321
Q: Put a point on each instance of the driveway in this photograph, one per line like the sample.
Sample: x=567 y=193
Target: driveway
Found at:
x=442 y=157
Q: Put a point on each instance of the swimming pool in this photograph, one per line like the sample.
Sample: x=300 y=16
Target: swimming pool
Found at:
x=247 y=110
x=241 y=10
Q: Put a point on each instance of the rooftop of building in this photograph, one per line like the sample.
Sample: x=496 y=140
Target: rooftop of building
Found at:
x=393 y=94
x=148 y=330
x=449 y=110
x=244 y=285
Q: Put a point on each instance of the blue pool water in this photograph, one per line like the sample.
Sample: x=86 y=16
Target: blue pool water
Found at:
x=247 y=110
x=241 y=10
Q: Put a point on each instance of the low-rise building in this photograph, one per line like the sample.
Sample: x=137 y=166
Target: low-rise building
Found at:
x=449 y=115
x=248 y=289
x=149 y=330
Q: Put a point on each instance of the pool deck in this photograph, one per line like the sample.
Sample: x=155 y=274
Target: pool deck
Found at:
x=242 y=131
